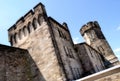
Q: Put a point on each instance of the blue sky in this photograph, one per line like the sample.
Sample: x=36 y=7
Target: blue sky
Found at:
x=75 y=13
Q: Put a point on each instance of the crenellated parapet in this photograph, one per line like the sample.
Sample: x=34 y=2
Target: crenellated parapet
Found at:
x=27 y=23
x=40 y=8
x=88 y=26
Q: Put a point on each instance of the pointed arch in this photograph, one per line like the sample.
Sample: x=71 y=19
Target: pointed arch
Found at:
x=30 y=27
x=20 y=34
x=40 y=19
x=16 y=38
x=35 y=23
x=11 y=40
x=25 y=31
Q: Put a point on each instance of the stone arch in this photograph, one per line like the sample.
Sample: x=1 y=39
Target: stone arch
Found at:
x=35 y=23
x=25 y=31
x=30 y=27
x=20 y=34
x=16 y=38
x=11 y=40
x=40 y=19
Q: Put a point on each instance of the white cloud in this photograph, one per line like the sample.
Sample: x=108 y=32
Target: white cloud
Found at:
x=118 y=28
x=117 y=50
x=76 y=40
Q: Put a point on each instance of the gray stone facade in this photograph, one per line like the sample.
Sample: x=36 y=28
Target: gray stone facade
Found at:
x=94 y=37
x=47 y=50
x=49 y=44
x=17 y=65
x=90 y=59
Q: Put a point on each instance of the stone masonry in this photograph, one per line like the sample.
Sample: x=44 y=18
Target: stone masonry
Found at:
x=17 y=65
x=49 y=44
x=89 y=58
x=94 y=37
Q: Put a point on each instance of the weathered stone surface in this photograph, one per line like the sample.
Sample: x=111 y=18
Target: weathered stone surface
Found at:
x=94 y=37
x=68 y=56
x=37 y=39
x=90 y=59
x=17 y=65
x=49 y=44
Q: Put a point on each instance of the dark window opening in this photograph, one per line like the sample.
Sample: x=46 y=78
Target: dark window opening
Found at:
x=61 y=34
x=35 y=23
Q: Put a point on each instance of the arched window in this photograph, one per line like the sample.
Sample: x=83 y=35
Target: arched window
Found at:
x=35 y=23
x=40 y=19
x=11 y=40
x=25 y=31
x=20 y=34
x=30 y=27
x=16 y=38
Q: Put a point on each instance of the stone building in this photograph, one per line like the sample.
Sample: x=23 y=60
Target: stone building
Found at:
x=49 y=44
x=94 y=37
x=43 y=50
x=89 y=58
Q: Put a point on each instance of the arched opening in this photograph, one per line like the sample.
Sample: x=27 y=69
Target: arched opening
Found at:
x=30 y=27
x=40 y=19
x=20 y=34
x=35 y=23
x=16 y=38
x=11 y=40
x=25 y=31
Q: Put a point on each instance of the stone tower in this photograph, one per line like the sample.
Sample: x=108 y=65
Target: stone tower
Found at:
x=94 y=37
x=49 y=44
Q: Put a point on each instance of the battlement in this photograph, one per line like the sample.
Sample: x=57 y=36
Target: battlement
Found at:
x=37 y=8
x=88 y=26
x=30 y=21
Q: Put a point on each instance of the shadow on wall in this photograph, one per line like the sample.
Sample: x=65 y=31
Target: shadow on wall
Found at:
x=91 y=66
x=107 y=63
x=36 y=75
x=17 y=65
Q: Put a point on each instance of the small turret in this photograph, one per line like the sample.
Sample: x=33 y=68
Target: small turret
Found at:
x=94 y=37
x=91 y=32
x=89 y=26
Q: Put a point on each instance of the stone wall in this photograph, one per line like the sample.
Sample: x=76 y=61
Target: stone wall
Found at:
x=17 y=65
x=104 y=48
x=70 y=60
x=113 y=77
x=37 y=39
x=94 y=37
x=90 y=59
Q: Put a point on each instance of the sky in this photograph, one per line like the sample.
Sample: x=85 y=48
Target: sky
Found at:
x=74 y=12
